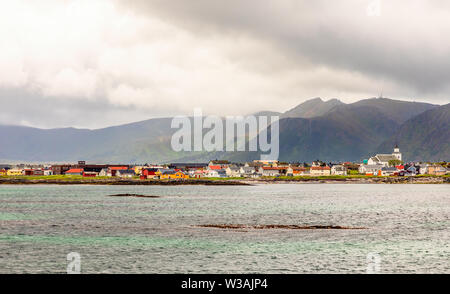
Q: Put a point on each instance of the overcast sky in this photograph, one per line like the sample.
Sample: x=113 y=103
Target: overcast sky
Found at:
x=95 y=63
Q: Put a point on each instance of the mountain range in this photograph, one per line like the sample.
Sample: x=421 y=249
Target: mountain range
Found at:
x=316 y=129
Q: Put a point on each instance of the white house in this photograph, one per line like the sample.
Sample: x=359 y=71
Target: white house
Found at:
x=267 y=171
x=247 y=171
x=216 y=173
x=388 y=171
x=423 y=168
x=48 y=172
x=233 y=172
x=370 y=169
x=318 y=171
x=126 y=173
x=339 y=170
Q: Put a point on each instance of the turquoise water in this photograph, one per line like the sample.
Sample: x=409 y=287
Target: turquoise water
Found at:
x=407 y=225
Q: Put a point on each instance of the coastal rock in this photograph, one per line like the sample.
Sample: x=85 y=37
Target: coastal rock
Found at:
x=286 y=227
x=134 y=195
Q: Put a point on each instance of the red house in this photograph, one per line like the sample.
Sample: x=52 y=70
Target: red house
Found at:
x=114 y=169
x=89 y=174
x=149 y=173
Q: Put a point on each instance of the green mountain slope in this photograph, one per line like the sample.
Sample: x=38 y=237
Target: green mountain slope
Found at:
x=425 y=137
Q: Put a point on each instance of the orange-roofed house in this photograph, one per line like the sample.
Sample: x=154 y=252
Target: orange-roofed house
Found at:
x=74 y=172
x=296 y=171
x=214 y=167
x=173 y=174
x=112 y=171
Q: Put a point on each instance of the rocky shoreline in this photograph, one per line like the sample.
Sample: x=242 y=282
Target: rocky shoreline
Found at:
x=120 y=182
x=235 y=182
x=356 y=180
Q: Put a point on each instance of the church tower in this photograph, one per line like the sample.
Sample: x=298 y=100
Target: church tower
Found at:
x=397 y=153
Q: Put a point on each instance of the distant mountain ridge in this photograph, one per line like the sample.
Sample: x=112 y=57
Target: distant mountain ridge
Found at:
x=312 y=108
x=316 y=129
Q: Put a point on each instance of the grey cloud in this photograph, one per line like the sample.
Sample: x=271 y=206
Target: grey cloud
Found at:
x=18 y=107
x=228 y=57
x=335 y=34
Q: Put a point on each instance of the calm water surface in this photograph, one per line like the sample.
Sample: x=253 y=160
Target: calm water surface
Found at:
x=407 y=225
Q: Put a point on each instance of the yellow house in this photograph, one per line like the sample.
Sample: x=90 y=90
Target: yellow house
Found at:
x=3 y=172
x=14 y=172
x=166 y=175
x=138 y=169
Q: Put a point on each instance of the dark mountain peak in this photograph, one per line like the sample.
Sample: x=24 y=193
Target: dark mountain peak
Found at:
x=312 y=108
x=398 y=110
x=317 y=99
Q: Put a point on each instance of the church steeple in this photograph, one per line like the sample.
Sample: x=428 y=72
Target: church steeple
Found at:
x=397 y=153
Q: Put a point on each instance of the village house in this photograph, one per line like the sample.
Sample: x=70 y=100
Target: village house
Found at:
x=199 y=173
x=171 y=174
x=150 y=173
x=268 y=171
x=90 y=174
x=423 y=168
x=338 y=170
x=317 y=171
x=138 y=169
x=126 y=173
x=112 y=170
x=233 y=172
x=247 y=171
x=60 y=169
x=296 y=171
x=27 y=172
x=388 y=171
x=370 y=169
x=14 y=172
x=384 y=159
x=104 y=173
x=74 y=172
x=412 y=170
x=436 y=170
x=38 y=172
x=216 y=173
x=48 y=172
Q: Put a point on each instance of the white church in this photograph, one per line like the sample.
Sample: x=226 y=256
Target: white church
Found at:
x=383 y=159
